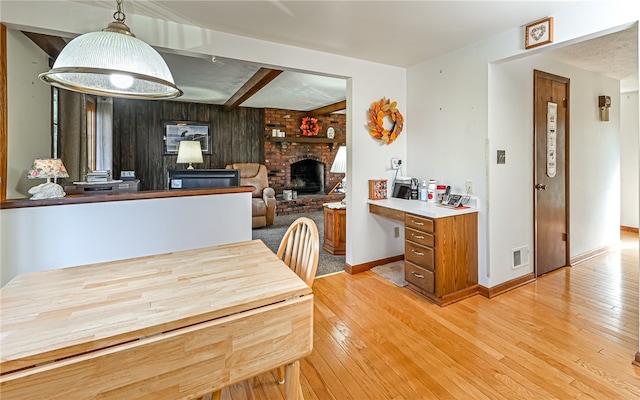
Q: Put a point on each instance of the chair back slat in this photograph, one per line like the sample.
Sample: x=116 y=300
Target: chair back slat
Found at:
x=300 y=248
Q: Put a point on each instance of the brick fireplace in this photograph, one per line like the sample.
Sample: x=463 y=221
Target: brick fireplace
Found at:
x=306 y=176
x=302 y=163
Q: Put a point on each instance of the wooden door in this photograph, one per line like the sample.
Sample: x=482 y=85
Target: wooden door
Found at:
x=551 y=177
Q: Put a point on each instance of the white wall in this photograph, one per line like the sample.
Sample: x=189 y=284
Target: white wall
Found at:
x=29 y=108
x=42 y=238
x=447 y=103
x=368 y=238
x=594 y=157
x=629 y=146
x=459 y=120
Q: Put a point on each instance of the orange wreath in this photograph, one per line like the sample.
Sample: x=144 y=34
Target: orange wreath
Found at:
x=309 y=126
x=377 y=112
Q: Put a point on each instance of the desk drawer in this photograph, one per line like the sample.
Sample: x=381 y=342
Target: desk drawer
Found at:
x=420 y=223
x=420 y=255
x=420 y=277
x=423 y=238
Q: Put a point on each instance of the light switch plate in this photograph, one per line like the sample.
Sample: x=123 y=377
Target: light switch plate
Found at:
x=502 y=157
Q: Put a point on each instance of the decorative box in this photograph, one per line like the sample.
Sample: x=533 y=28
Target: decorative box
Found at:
x=377 y=189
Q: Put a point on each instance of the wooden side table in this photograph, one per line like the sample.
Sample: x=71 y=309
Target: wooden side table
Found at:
x=335 y=230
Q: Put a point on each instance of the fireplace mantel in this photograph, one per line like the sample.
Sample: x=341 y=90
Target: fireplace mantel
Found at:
x=306 y=139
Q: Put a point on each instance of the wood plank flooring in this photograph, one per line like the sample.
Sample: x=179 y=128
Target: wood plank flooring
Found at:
x=572 y=334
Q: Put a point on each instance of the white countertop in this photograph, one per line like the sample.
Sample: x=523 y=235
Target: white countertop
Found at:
x=423 y=208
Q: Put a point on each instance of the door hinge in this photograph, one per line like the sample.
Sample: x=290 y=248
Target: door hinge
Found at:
x=564 y=103
x=564 y=236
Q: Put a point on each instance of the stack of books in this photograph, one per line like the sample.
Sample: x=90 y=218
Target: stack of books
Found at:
x=99 y=176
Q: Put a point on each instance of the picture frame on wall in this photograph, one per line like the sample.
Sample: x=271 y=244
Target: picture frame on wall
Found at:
x=176 y=131
x=539 y=33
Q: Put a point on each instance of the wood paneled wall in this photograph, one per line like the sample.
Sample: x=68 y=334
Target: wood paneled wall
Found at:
x=236 y=136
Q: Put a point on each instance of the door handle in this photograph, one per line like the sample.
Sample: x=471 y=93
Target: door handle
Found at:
x=540 y=186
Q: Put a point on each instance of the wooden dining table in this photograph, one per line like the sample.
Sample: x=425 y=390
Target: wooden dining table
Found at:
x=170 y=326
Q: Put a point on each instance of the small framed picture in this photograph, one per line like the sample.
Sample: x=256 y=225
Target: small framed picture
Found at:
x=177 y=131
x=377 y=189
x=337 y=188
x=539 y=33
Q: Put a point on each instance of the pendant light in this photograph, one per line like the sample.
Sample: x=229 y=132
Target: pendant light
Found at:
x=112 y=62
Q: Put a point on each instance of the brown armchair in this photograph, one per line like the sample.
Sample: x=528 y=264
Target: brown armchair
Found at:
x=263 y=202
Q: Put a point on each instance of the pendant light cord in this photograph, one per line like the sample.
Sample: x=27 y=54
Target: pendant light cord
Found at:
x=119 y=14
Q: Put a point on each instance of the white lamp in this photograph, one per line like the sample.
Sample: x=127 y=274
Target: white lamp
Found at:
x=339 y=165
x=189 y=151
x=112 y=62
x=47 y=168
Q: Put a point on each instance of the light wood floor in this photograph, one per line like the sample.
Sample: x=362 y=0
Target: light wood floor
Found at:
x=571 y=334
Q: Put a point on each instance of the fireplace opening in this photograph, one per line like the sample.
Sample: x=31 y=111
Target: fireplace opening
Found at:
x=307 y=176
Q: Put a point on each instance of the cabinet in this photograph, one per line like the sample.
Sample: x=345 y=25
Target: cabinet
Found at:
x=441 y=256
x=335 y=230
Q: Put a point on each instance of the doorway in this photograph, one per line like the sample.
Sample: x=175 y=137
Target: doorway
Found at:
x=551 y=175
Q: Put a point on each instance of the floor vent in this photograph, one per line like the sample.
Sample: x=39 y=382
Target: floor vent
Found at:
x=520 y=257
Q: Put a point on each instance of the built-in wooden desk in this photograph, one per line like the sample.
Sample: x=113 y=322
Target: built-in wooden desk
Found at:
x=441 y=247
x=169 y=326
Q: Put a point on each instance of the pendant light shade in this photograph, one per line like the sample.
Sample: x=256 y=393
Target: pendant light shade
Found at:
x=113 y=63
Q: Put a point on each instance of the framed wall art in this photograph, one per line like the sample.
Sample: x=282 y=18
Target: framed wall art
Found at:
x=177 y=131
x=539 y=33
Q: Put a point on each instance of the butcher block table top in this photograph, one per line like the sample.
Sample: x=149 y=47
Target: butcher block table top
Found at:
x=55 y=315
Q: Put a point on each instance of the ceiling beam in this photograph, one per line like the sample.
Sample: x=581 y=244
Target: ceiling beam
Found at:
x=259 y=80
x=52 y=45
x=339 y=106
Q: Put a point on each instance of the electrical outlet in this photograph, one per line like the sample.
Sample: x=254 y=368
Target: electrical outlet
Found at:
x=396 y=163
x=396 y=232
x=469 y=187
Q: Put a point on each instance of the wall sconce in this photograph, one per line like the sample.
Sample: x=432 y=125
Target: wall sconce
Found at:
x=604 y=102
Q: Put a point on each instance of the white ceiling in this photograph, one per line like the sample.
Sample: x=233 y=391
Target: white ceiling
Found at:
x=400 y=33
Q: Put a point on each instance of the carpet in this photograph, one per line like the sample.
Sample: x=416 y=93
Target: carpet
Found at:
x=272 y=235
x=393 y=272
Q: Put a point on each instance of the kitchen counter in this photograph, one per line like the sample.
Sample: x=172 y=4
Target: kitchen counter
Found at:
x=423 y=208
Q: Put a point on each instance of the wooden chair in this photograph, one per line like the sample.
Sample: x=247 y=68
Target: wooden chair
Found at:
x=299 y=249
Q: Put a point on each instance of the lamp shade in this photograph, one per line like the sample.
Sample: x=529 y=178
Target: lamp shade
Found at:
x=189 y=151
x=339 y=165
x=112 y=62
x=47 y=168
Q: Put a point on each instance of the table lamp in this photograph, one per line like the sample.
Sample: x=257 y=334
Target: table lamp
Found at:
x=47 y=168
x=190 y=152
x=339 y=165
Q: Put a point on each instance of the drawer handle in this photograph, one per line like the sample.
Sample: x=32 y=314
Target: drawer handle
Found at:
x=417 y=236
x=417 y=222
x=417 y=275
x=418 y=253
